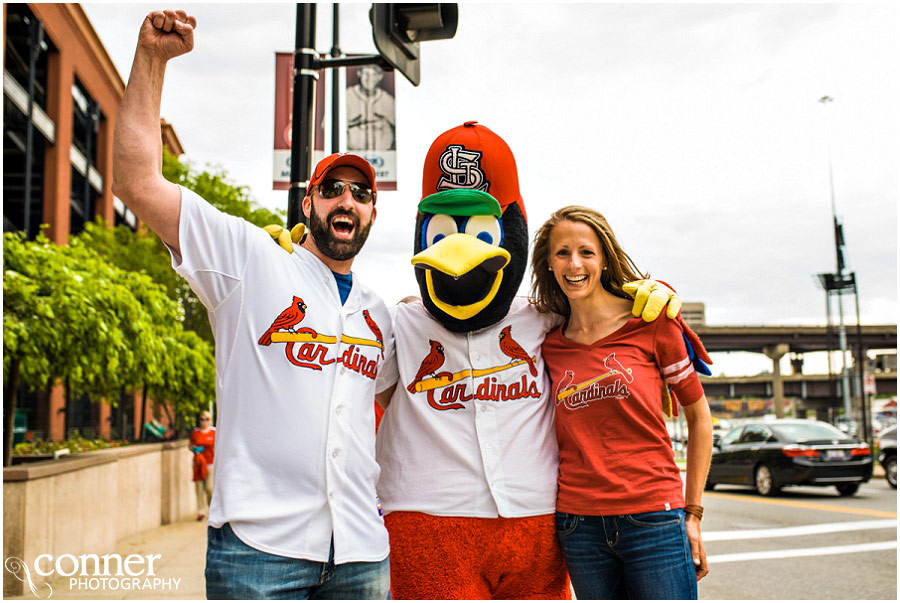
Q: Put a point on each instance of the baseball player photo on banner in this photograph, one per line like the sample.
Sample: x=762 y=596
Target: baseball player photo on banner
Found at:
x=371 y=121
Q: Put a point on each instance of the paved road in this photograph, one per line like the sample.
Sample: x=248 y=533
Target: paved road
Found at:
x=807 y=543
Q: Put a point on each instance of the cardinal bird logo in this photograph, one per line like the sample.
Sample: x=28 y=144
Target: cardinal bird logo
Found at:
x=287 y=320
x=430 y=365
x=512 y=349
x=373 y=326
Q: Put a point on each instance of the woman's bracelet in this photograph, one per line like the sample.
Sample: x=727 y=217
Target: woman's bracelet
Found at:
x=695 y=510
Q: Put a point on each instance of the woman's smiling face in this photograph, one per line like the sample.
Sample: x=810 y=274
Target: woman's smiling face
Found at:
x=576 y=259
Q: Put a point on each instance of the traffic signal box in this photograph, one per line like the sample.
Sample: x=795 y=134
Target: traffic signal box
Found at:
x=398 y=29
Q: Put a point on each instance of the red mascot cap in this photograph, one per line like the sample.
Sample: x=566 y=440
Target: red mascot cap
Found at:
x=472 y=156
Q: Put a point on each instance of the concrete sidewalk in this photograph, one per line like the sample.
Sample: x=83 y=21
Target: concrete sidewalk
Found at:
x=182 y=550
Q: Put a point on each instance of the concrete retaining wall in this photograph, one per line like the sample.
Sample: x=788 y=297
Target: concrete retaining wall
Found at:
x=86 y=504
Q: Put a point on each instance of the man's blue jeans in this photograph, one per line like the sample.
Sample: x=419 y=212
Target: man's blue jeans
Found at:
x=640 y=556
x=237 y=571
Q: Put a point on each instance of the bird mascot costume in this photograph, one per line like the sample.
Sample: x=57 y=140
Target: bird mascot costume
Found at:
x=467 y=449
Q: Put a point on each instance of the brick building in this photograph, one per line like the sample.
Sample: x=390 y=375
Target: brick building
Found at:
x=61 y=95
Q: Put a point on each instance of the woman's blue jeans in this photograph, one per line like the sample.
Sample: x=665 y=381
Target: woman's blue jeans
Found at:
x=640 y=556
x=237 y=571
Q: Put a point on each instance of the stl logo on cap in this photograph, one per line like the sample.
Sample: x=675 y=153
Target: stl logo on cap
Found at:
x=461 y=168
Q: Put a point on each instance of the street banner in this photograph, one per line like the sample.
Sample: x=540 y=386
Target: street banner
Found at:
x=284 y=94
x=371 y=121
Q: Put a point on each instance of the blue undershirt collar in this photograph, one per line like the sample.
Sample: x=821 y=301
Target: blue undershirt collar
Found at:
x=344 y=284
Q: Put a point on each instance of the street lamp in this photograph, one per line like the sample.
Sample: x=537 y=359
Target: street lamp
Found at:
x=840 y=281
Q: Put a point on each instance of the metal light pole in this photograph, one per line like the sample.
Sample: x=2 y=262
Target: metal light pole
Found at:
x=839 y=243
x=335 y=81
x=303 y=109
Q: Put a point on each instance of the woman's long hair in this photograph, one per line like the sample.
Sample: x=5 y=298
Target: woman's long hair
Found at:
x=546 y=294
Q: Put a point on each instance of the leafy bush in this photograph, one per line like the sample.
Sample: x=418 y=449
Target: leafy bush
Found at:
x=75 y=444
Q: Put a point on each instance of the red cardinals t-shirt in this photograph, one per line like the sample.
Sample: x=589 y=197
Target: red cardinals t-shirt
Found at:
x=207 y=440
x=615 y=456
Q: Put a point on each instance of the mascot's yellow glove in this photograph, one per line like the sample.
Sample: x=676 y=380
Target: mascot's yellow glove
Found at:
x=286 y=238
x=650 y=297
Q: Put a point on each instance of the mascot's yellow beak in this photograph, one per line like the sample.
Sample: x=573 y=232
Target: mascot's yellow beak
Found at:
x=458 y=255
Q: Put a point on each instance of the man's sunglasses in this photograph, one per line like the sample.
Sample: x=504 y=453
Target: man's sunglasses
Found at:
x=331 y=188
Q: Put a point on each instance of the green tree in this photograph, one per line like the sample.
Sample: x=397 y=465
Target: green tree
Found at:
x=108 y=313
x=71 y=315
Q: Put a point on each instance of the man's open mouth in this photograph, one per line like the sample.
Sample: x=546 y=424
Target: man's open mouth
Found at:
x=343 y=226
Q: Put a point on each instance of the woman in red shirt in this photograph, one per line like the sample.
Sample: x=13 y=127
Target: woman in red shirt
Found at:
x=626 y=529
x=202 y=443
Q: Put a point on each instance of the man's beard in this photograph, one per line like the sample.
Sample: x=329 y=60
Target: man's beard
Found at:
x=330 y=245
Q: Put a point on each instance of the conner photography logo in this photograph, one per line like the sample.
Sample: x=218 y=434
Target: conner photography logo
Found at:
x=91 y=572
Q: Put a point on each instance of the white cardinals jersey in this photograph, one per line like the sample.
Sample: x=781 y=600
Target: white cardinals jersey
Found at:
x=469 y=430
x=295 y=381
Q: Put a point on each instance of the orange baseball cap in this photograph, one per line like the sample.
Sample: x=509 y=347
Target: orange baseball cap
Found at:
x=472 y=156
x=337 y=160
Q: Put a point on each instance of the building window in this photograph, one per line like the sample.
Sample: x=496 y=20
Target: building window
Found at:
x=85 y=123
x=121 y=419
x=123 y=215
x=21 y=36
x=86 y=182
x=83 y=202
x=24 y=142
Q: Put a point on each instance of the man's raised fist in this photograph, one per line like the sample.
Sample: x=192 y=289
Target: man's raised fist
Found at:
x=167 y=33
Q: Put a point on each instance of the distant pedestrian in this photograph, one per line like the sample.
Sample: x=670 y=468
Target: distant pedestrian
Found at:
x=202 y=443
x=626 y=529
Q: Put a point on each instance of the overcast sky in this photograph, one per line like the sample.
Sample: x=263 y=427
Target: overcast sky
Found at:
x=694 y=128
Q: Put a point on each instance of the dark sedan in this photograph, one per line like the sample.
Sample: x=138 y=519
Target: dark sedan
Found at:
x=788 y=452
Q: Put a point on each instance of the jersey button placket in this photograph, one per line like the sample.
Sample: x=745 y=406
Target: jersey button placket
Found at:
x=485 y=420
x=335 y=431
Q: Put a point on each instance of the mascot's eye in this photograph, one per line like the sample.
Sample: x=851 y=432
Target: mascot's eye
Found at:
x=436 y=228
x=487 y=228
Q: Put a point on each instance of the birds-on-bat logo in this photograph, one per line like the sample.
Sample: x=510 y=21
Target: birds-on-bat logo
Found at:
x=445 y=390
x=608 y=385
x=309 y=349
x=292 y=316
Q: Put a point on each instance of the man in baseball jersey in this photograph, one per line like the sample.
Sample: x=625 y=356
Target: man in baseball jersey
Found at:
x=299 y=343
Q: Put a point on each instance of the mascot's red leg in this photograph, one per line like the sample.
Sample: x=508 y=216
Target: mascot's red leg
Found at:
x=529 y=561
x=474 y=558
x=431 y=559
